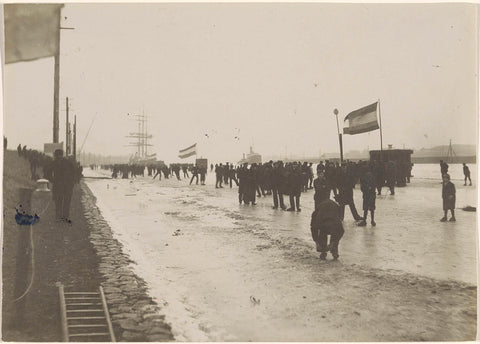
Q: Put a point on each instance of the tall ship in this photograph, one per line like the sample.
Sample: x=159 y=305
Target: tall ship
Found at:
x=251 y=158
x=141 y=156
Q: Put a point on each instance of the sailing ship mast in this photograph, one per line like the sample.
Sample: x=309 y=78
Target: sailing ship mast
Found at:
x=141 y=137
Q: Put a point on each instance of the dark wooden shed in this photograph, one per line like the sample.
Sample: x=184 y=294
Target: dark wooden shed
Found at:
x=402 y=159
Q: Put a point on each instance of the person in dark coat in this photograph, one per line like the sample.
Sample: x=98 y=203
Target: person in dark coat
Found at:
x=251 y=185
x=322 y=190
x=379 y=173
x=225 y=174
x=218 y=176
x=326 y=221
x=242 y=176
x=443 y=168
x=466 y=173
x=296 y=183
x=185 y=171
x=175 y=169
x=63 y=179
x=367 y=185
x=194 y=175
x=232 y=175
x=19 y=149
x=390 y=176
x=203 y=171
x=448 y=196
x=158 y=173
x=345 y=195
x=276 y=181
x=330 y=176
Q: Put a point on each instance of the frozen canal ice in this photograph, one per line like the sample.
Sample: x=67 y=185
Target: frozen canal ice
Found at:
x=230 y=272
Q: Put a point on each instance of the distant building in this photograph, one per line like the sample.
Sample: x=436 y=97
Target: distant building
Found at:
x=251 y=158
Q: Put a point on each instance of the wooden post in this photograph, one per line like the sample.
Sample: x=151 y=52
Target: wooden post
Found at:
x=63 y=312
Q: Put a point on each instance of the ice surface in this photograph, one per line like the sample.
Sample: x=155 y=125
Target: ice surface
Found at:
x=221 y=268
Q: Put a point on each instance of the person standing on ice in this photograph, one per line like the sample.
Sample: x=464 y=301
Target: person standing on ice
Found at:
x=391 y=176
x=185 y=171
x=218 y=176
x=326 y=221
x=443 y=168
x=203 y=172
x=448 y=196
x=194 y=175
x=367 y=185
x=466 y=173
x=322 y=190
x=295 y=181
x=276 y=181
x=345 y=194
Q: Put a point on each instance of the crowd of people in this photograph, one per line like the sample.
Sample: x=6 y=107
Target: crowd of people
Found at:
x=275 y=179
x=42 y=165
x=291 y=179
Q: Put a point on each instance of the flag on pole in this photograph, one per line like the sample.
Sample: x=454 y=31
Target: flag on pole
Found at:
x=32 y=31
x=189 y=151
x=362 y=120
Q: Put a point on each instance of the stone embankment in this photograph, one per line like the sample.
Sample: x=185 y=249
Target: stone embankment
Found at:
x=134 y=314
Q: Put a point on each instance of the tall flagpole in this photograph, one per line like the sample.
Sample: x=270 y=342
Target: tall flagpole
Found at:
x=380 y=117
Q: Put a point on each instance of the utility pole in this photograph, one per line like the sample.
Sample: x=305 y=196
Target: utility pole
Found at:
x=75 y=138
x=56 y=80
x=67 y=134
x=56 y=86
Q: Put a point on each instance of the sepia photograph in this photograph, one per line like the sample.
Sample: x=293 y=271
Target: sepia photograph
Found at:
x=239 y=172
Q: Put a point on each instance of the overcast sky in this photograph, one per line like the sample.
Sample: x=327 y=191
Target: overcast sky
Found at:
x=268 y=74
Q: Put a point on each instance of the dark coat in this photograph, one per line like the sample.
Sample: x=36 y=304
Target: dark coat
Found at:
x=345 y=190
x=283 y=187
x=295 y=182
x=368 y=192
x=448 y=196
x=326 y=217
x=63 y=176
x=322 y=190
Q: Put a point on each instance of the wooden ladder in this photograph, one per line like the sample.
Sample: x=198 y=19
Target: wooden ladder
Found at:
x=85 y=316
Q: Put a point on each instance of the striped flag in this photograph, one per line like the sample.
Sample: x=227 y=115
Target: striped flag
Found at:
x=362 y=120
x=189 y=151
x=32 y=31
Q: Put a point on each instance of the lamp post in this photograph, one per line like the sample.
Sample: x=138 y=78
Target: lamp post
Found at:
x=335 y=112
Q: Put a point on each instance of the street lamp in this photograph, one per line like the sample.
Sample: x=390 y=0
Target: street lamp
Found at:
x=335 y=112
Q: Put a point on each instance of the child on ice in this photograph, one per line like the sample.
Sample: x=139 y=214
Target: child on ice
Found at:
x=448 y=196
